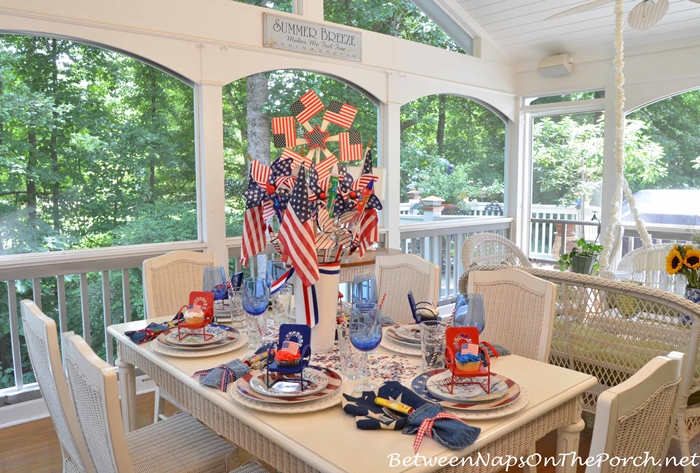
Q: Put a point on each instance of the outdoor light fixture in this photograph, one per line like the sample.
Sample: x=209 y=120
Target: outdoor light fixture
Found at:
x=555 y=66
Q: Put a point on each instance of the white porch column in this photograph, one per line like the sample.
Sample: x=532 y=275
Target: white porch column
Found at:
x=310 y=9
x=609 y=164
x=518 y=166
x=210 y=168
x=389 y=149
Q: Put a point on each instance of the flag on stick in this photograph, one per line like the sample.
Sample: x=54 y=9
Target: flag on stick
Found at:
x=306 y=107
x=284 y=132
x=350 y=146
x=340 y=114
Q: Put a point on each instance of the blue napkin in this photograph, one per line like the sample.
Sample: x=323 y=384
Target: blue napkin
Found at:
x=502 y=351
x=147 y=334
x=452 y=433
x=219 y=376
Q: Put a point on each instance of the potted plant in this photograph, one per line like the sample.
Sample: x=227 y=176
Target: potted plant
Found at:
x=583 y=258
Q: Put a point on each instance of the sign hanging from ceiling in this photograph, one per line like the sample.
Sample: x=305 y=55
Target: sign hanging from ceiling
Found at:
x=302 y=36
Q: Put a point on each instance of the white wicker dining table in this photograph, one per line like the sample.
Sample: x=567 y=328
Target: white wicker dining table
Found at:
x=328 y=440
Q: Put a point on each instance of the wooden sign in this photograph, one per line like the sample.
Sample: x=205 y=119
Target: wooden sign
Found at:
x=303 y=36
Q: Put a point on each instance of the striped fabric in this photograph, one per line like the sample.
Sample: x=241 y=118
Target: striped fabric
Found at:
x=284 y=132
x=307 y=106
x=350 y=146
x=340 y=114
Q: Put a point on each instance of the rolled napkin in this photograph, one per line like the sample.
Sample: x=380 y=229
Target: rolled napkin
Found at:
x=427 y=418
x=146 y=334
x=219 y=376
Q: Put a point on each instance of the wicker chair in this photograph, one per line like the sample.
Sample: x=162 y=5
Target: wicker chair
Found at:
x=169 y=279
x=647 y=265
x=167 y=283
x=42 y=344
x=489 y=248
x=519 y=310
x=250 y=467
x=635 y=418
x=185 y=444
x=610 y=329
x=398 y=274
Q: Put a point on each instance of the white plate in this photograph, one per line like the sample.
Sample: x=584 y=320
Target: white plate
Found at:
x=389 y=344
x=512 y=408
x=233 y=335
x=317 y=382
x=158 y=347
x=311 y=406
x=410 y=333
x=437 y=386
x=194 y=337
x=391 y=333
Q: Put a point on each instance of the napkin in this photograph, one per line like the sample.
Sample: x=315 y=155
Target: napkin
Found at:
x=146 y=334
x=427 y=418
x=501 y=350
x=219 y=376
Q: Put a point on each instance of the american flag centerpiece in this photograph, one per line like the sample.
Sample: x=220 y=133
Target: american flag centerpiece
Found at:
x=322 y=210
x=291 y=347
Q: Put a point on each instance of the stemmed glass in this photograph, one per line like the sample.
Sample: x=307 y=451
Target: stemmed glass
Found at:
x=215 y=281
x=256 y=296
x=469 y=312
x=365 y=335
x=364 y=289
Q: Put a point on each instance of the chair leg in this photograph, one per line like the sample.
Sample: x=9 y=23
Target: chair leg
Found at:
x=158 y=406
x=531 y=450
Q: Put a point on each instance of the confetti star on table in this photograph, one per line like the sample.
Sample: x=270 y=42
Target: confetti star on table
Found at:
x=316 y=138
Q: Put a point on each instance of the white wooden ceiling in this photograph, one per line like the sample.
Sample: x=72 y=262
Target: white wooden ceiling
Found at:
x=520 y=29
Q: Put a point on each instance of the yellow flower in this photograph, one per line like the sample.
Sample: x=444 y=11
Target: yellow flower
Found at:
x=692 y=258
x=674 y=261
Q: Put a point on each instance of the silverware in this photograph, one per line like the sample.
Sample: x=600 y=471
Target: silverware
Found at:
x=392 y=414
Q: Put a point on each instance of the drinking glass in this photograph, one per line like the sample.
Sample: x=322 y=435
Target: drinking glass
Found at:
x=275 y=270
x=469 y=312
x=215 y=281
x=364 y=289
x=365 y=335
x=350 y=358
x=238 y=315
x=256 y=296
x=432 y=344
x=282 y=305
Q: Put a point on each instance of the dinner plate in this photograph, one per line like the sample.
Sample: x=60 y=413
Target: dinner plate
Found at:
x=419 y=386
x=293 y=408
x=391 y=333
x=404 y=349
x=439 y=386
x=515 y=406
x=195 y=338
x=168 y=350
x=317 y=381
x=232 y=337
x=409 y=333
x=335 y=380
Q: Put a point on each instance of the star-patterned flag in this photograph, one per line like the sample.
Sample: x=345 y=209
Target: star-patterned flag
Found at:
x=350 y=146
x=340 y=114
x=306 y=107
x=367 y=165
x=284 y=132
x=255 y=194
x=253 y=238
x=297 y=234
x=345 y=184
x=366 y=175
x=315 y=190
x=344 y=208
x=373 y=203
x=469 y=349
x=280 y=168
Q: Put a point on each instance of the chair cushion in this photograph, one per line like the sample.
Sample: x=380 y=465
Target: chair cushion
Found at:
x=180 y=443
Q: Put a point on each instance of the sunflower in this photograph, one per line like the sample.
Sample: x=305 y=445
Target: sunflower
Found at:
x=674 y=261
x=692 y=258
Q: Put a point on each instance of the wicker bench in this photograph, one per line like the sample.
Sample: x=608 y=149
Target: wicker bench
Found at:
x=610 y=329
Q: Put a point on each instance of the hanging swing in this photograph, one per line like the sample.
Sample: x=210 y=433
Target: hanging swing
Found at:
x=620 y=181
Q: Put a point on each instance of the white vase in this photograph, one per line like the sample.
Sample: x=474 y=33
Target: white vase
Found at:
x=323 y=333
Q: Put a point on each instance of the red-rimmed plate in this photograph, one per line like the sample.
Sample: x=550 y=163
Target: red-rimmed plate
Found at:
x=420 y=386
x=334 y=383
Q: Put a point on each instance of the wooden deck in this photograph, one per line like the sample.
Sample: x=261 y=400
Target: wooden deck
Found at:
x=33 y=447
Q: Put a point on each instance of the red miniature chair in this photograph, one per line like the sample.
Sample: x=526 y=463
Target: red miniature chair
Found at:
x=205 y=300
x=465 y=341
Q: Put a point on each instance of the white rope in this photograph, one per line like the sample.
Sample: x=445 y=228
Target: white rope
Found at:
x=620 y=182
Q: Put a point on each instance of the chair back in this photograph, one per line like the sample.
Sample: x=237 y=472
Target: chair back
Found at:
x=647 y=265
x=398 y=274
x=636 y=418
x=93 y=387
x=488 y=248
x=41 y=337
x=519 y=310
x=169 y=279
x=456 y=336
x=299 y=333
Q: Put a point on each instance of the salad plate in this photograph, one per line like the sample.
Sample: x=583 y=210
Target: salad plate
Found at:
x=287 y=385
x=243 y=388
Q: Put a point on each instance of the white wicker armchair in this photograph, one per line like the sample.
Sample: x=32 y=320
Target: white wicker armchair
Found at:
x=635 y=418
x=610 y=329
x=647 y=265
x=398 y=274
x=184 y=443
x=42 y=344
x=489 y=248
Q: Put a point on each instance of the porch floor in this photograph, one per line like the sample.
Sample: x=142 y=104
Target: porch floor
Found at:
x=34 y=446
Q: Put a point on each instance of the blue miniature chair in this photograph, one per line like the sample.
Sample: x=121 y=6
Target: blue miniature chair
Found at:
x=291 y=336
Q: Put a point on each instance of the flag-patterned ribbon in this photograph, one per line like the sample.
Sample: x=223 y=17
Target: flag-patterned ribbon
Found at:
x=426 y=428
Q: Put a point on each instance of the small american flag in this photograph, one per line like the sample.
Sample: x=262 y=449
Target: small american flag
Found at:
x=350 y=146
x=289 y=346
x=340 y=114
x=284 y=132
x=470 y=349
x=369 y=231
x=297 y=234
x=306 y=107
x=253 y=238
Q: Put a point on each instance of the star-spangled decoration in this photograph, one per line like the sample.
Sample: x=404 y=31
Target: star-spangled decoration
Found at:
x=280 y=168
x=345 y=184
x=254 y=195
x=316 y=138
x=367 y=165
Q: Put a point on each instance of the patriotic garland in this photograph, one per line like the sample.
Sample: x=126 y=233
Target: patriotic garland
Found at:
x=321 y=209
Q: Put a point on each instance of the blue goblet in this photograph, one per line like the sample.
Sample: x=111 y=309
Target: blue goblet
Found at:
x=364 y=289
x=256 y=296
x=365 y=335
